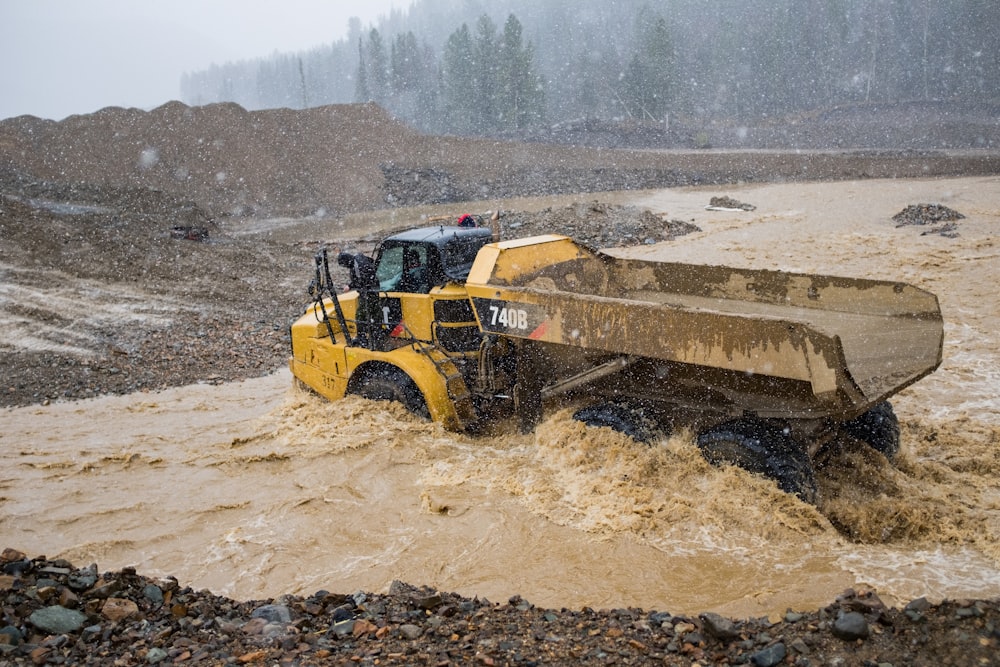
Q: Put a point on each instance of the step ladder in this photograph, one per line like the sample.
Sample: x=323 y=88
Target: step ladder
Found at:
x=454 y=382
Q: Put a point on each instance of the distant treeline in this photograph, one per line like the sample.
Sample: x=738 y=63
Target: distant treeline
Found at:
x=487 y=66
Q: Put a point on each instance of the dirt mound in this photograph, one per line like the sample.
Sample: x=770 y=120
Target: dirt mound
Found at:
x=101 y=295
x=925 y=214
x=333 y=160
x=107 y=233
x=229 y=160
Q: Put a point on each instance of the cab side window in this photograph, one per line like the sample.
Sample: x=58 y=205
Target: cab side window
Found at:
x=403 y=268
x=414 y=278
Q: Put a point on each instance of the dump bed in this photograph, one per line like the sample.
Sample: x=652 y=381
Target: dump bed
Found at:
x=850 y=342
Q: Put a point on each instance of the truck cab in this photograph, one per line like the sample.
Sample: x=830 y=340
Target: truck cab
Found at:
x=419 y=291
x=405 y=330
x=418 y=260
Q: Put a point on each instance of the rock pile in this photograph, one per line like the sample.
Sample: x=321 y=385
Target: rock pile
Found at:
x=925 y=214
x=596 y=224
x=929 y=214
x=728 y=204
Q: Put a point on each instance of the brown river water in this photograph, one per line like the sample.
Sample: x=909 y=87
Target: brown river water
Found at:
x=255 y=489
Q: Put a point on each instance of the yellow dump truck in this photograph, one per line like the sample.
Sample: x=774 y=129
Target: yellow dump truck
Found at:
x=766 y=366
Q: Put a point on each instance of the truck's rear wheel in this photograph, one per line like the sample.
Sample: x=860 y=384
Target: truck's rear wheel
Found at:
x=388 y=383
x=762 y=448
x=617 y=417
x=879 y=427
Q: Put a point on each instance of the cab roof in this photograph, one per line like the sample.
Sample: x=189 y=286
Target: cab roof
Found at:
x=439 y=235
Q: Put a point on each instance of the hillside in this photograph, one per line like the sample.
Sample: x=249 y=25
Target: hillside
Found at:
x=339 y=159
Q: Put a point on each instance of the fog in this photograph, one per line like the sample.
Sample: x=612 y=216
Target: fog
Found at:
x=632 y=60
x=476 y=67
x=66 y=57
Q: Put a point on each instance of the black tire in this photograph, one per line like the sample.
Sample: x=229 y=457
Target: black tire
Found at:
x=617 y=417
x=879 y=428
x=388 y=383
x=762 y=448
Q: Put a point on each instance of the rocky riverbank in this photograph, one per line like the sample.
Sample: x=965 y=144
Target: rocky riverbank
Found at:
x=57 y=613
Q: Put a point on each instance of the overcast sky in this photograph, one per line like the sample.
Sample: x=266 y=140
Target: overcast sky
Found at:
x=64 y=57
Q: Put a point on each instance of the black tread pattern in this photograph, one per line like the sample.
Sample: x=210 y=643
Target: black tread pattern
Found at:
x=879 y=427
x=763 y=448
x=388 y=383
x=617 y=417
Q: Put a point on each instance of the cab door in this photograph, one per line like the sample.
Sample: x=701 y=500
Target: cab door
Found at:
x=403 y=304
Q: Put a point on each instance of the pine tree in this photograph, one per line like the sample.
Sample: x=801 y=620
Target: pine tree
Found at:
x=377 y=69
x=648 y=85
x=412 y=77
x=458 y=82
x=486 y=66
x=520 y=102
x=361 y=91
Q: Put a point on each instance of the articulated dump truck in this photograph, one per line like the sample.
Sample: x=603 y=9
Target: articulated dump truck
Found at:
x=769 y=369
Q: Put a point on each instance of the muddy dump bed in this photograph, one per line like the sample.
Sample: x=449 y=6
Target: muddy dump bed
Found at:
x=774 y=343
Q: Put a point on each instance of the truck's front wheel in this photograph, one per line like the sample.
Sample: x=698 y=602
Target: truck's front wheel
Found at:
x=762 y=448
x=388 y=383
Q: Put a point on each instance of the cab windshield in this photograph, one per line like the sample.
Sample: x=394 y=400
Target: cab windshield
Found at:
x=403 y=268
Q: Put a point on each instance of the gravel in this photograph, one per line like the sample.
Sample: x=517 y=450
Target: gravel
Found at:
x=57 y=613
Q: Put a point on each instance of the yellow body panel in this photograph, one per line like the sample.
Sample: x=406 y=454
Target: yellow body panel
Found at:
x=327 y=366
x=833 y=345
x=495 y=264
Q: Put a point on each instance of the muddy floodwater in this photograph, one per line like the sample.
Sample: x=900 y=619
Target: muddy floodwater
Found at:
x=255 y=489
